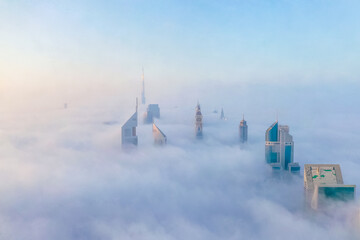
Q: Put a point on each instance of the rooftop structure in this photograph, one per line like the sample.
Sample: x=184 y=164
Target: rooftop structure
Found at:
x=128 y=130
x=324 y=184
x=243 y=131
x=153 y=111
x=159 y=137
x=279 y=145
x=294 y=168
x=198 y=122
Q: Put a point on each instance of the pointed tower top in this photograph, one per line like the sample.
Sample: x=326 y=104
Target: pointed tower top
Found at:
x=198 y=105
x=222 y=116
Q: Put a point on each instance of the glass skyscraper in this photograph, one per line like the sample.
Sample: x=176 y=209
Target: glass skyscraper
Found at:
x=198 y=122
x=279 y=146
x=243 y=131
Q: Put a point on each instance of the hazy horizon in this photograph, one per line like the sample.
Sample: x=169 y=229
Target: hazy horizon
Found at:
x=63 y=172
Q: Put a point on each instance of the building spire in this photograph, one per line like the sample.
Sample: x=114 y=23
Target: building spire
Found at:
x=222 y=116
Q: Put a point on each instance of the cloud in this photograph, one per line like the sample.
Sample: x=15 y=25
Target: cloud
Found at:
x=64 y=176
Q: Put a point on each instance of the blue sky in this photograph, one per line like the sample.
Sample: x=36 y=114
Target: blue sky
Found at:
x=69 y=43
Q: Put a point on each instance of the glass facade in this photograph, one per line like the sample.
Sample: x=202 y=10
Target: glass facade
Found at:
x=272 y=133
x=288 y=155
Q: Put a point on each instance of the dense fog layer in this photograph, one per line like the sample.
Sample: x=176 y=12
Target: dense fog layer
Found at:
x=64 y=175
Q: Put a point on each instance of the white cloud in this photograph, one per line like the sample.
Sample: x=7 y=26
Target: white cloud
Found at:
x=64 y=175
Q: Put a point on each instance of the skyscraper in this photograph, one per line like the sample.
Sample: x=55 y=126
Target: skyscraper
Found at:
x=324 y=185
x=159 y=137
x=143 y=88
x=279 y=146
x=153 y=111
x=243 y=131
x=222 y=116
x=128 y=130
x=198 y=122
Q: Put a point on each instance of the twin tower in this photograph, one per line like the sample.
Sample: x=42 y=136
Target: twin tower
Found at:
x=128 y=130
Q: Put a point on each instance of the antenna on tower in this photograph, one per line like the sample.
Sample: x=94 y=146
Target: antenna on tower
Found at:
x=142 y=75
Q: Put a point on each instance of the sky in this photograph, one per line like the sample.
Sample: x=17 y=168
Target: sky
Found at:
x=63 y=174
x=178 y=42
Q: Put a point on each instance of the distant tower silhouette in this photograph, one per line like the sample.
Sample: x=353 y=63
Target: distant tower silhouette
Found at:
x=222 y=116
x=143 y=101
x=243 y=131
x=153 y=111
x=198 y=122
x=128 y=130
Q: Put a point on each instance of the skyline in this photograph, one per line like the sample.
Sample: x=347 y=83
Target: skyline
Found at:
x=55 y=52
x=72 y=70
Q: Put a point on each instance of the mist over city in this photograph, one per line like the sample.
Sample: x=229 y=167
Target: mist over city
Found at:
x=74 y=75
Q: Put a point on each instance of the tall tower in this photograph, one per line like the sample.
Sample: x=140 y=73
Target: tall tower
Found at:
x=143 y=88
x=286 y=147
x=198 y=122
x=324 y=186
x=128 y=130
x=222 y=116
x=279 y=146
x=153 y=111
x=243 y=131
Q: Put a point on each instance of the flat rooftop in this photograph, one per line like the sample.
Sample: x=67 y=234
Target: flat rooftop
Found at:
x=322 y=174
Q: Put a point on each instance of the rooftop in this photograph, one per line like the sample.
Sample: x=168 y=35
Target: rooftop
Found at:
x=322 y=174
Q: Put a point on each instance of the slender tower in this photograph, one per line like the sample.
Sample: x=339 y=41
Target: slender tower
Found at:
x=198 y=122
x=143 y=88
x=279 y=147
x=222 y=116
x=243 y=131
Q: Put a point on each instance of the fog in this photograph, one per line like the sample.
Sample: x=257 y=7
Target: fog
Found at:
x=64 y=174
